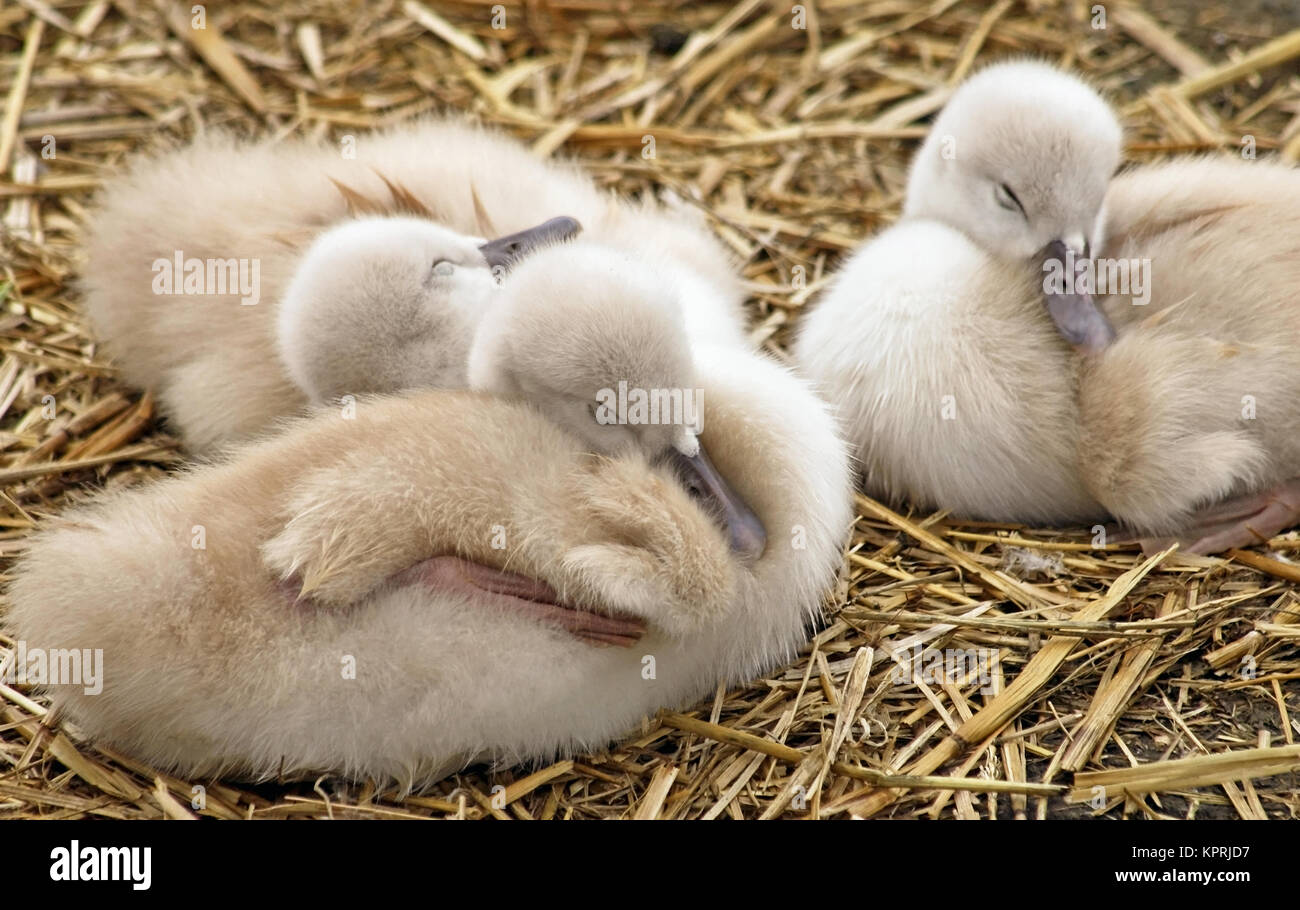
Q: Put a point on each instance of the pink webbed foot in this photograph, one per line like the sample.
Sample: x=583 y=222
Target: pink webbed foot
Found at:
x=1241 y=522
x=529 y=597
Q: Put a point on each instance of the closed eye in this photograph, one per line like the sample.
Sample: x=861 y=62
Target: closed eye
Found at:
x=694 y=488
x=1007 y=198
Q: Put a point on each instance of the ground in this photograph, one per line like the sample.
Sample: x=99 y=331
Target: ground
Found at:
x=794 y=141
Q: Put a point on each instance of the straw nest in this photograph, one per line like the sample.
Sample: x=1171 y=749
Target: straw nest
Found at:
x=1122 y=685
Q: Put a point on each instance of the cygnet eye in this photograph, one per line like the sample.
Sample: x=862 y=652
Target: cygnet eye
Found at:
x=1007 y=198
x=444 y=268
x=694 y=488
x=689 y=479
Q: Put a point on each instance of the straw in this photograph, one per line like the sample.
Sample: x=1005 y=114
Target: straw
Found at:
x=1154 y=679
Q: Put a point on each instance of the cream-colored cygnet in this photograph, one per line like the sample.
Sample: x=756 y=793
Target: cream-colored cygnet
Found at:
x=386 y=303
x=448 y=577
x=933 y=342
x=191 y=255
x=1190 y=421
x=1019 y=161
x=959 y=391
x=383 y=304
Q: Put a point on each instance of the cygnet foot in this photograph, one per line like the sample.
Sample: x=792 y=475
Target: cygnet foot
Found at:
x=1240 y=522
x=530 y=597
x=523 y=595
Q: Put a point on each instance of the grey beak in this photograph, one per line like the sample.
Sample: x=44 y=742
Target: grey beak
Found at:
x=745 y=530
x=1076 y=314
x=506 y=250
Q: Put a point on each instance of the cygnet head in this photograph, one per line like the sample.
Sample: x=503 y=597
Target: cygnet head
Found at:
x=571 y=325
x=384 y=303
x=1019 y=159
x=595 y=339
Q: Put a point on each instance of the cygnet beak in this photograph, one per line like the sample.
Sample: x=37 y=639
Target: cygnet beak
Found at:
x=1075 y=313
x=746 y=531
x=505 y=251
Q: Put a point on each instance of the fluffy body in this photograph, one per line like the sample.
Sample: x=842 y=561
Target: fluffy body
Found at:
x=1151 y=430
x=950 y=381
x=215 y=364
x=1198 y=400
x=210 y=666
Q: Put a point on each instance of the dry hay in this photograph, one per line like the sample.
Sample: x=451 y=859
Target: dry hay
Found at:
x=1113 y=672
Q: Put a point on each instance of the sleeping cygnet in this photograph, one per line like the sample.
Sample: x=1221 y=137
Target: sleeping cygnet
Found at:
x=1191 y=419
x=382 y=304
x=1019 y=161
x=447 y=578
x=959 y=392
x=933 y=343
x=595 y=339
x=191 y=253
